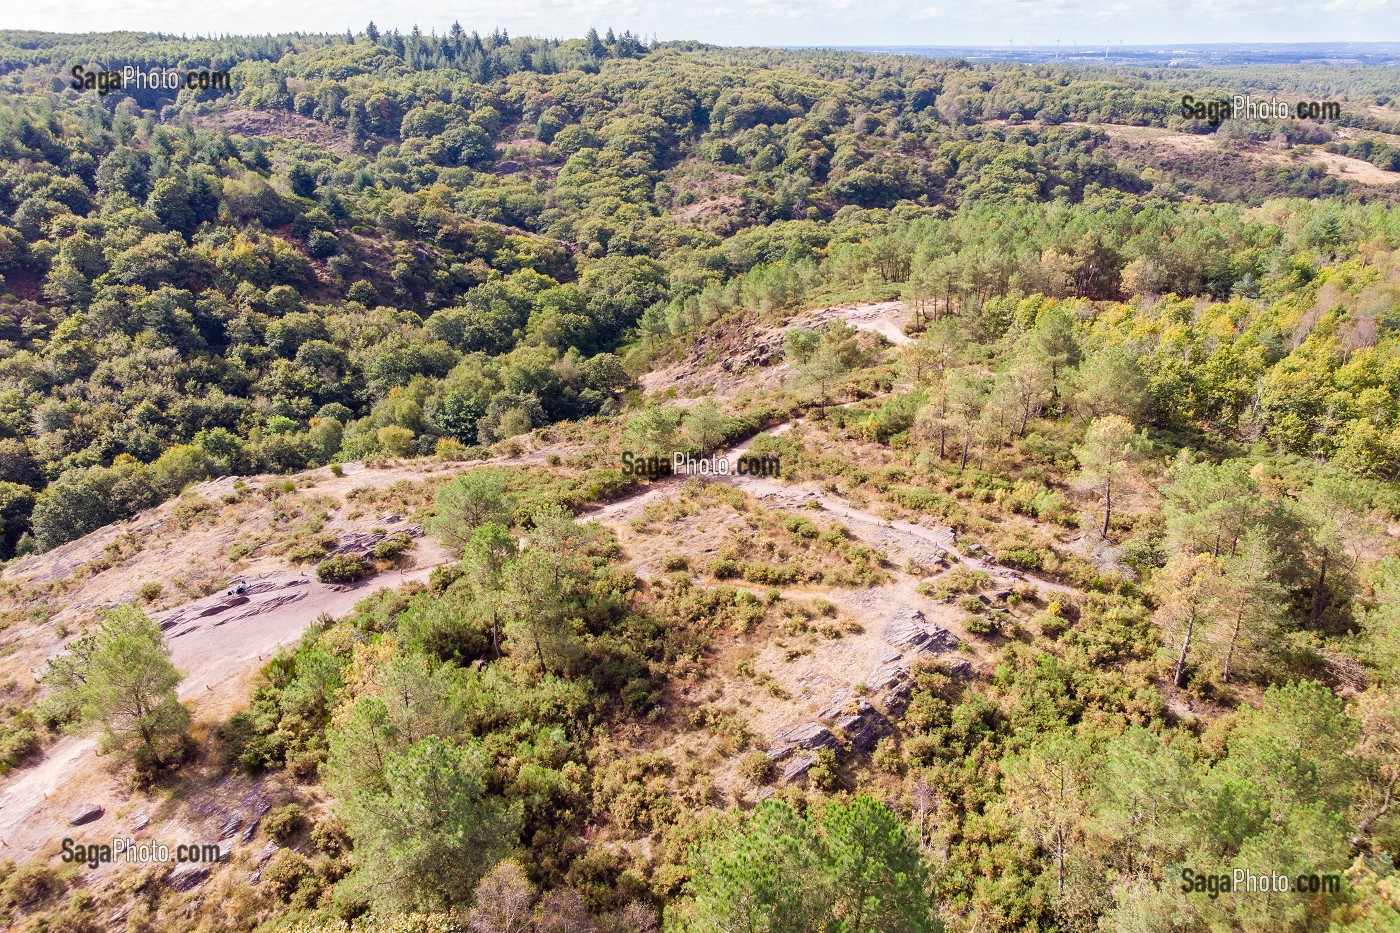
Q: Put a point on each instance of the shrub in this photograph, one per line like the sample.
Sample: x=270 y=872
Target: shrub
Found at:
x=240 y=744
x=756 y=768
x=886 y=756
x=767 y=574
x=1022 y=558
x=1052 y=624
x=961 y=580
x=392 y=547
x=312 y=548
x=342 y=568
x=395 y=441
x=18 y=740
x=290 y=879
x=329 y=836
x=32 y=884
x=321 y=244
x=283 y=823
x=304 y=763
x=978 y=625
x=969 y=604
x=150 y=592
x=823 y=775
x=724 y=569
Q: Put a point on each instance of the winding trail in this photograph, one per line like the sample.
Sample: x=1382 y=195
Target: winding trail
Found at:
x=217 y=642
x=220 y=641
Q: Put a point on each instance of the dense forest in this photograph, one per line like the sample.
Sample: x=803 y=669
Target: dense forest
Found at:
x=1163 y=382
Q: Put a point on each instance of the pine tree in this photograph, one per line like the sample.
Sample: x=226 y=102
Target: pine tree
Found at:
x=122 y=683
x=1110 y=447
x=1249 y=602
x=1182 y=591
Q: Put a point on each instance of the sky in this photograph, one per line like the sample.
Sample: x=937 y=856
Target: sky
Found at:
x=761 y=22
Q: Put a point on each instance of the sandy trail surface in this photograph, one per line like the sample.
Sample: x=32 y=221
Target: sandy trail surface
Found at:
x=869 y=527
x=844 y=689
x=886 y=318
x=218 y=642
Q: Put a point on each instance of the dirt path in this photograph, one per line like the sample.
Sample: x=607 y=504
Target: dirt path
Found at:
x=218 y=642
x=869 y=527
x=821 y=692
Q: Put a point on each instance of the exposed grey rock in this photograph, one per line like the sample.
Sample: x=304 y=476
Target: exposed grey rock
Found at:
x=882 y=678
x=85 y=814
x=361 y=543
x=940 y=640
x=230 y=824
x=799 y=767
x=140 y=821
x=809 y=735
x=187 y=877
x=906 y=630
x=897 y=699
x=778 y=752
x=864 y=727
x=249 y=831
x=910 y=632
x=266 y=853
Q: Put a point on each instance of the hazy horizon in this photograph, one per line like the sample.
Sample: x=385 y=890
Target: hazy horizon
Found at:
x=1068 y=24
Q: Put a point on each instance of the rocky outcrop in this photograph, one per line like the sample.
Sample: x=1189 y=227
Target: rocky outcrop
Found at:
x=910 y=632
x=863 y=726
x=858 y=723
x=85 y=814
x=187 y=877
x=362 y=543
x=798 y=747
x=230 y=825
x=811 y=736
x=797 y=768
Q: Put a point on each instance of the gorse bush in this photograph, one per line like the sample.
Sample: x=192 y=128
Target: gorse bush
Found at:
x=343 y=568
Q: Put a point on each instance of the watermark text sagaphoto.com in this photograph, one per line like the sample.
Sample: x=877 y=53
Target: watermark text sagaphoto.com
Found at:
x=683 y=464
x=136 y=852
x=1246 y=107
x=1246 y=881
x=158 y=79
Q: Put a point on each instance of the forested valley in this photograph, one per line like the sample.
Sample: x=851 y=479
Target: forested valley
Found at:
x=1079 y=580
